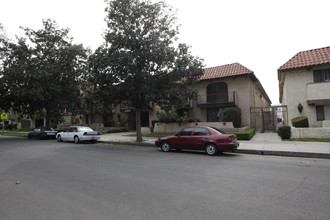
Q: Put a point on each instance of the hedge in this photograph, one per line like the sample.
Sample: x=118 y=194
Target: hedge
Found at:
x=117 y=130
x=284 y=132
x=232 y=114
x=300 y=122
x=245 y=135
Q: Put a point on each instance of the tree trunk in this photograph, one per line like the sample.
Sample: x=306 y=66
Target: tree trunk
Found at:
x=48 y=119
x=138 y=125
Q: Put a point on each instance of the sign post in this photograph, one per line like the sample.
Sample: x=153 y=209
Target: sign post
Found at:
x=4 y=117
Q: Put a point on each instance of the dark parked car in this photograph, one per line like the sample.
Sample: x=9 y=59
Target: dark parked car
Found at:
x=208 y=139
x=42 y=133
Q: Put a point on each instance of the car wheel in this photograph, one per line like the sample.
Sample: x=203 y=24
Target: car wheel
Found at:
x=165 y=146
x=58 y=138
x=29 y=136
x=211 y=149
x=76 y=139
x=93 y=141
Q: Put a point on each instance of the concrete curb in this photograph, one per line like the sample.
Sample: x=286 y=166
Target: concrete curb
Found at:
x=242 y=151
x=284 y=153
x=145 y=144
x=239 y=151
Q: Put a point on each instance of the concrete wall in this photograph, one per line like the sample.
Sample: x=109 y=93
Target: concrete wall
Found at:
x=310 y=132
x=326 y=124
x=175 y=127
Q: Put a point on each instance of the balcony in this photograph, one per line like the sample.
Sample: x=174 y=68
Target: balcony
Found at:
x=207 y=101
x=318 y=93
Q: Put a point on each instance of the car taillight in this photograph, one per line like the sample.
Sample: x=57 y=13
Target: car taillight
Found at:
x=229 y=139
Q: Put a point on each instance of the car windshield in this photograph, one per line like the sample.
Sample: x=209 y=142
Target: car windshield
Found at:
x=217 y=130
x=43 y=129
x=85 y=129
x=47 y=129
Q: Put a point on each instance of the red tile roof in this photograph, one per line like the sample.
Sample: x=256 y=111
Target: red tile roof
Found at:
x=234 y=69
x=307 y=59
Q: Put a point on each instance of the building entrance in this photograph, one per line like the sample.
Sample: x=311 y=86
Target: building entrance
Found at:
x=268 y=118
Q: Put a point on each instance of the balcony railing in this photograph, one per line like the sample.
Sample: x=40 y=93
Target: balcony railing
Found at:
x=216 y=101
x=318 y=93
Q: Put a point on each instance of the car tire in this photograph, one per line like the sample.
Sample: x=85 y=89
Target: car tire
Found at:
x=165 y=146
x=211 y=149
x=76 y=139
x=58 y=138
x=93 y=141
x=29 y=136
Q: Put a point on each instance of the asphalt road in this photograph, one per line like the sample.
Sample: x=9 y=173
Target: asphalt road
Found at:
x=44 y=179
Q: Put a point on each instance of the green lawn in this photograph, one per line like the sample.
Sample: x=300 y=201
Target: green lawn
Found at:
x=308 y=140
x=13 y=133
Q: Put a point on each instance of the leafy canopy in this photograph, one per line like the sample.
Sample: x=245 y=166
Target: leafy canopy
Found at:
x=41 y=73
x=144 y=54
x=151 y=67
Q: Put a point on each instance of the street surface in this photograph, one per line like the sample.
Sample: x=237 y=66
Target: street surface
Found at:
x=44 y=179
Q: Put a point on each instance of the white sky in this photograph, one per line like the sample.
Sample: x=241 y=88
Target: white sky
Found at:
x=259 y=34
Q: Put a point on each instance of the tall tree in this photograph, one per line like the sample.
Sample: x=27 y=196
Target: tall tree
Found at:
x=144 y=55
x=41 y=73
x=99 y=90
x=3 y=38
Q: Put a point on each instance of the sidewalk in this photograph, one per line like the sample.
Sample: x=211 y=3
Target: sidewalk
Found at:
x=261 y=143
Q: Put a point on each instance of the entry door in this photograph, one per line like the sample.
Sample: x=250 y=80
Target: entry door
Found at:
x=144 y=119
x=268 y=120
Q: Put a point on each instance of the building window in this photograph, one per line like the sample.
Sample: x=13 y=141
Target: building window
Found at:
x=322 y=75
x=323 y=113
x=217 y=93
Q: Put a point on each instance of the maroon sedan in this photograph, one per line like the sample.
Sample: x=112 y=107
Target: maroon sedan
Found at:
x=209 y=139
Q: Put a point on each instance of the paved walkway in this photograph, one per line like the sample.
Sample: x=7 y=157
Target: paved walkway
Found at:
x=261 y=143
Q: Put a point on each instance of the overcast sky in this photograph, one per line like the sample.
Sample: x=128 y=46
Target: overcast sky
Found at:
x=260 y=34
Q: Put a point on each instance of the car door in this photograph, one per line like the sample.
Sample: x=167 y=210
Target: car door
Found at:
x=199 y=138
x=182 y=139
x=68 y=134
x=35 y=133
x=64 y=134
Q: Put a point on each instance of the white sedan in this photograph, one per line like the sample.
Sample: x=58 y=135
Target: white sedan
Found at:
x=78 y=134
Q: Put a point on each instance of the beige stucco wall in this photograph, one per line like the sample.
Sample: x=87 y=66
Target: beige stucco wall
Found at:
x=244 y=96
x=248 y=94
x=310 y=132
x=153 y=114
x=295 y=92
x=175 y=127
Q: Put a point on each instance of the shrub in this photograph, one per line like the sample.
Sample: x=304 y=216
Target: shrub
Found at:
x=284 y=132
x=117 y=130
x=172 y=116
x=169 y=116
x=300 y=122
x=245 y=135
x=232 y=114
